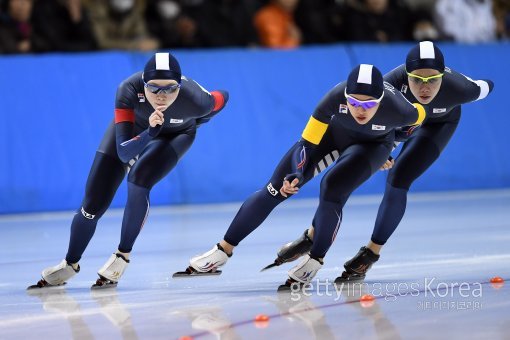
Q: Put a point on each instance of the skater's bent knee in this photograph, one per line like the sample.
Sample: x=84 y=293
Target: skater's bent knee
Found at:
x=90 y=214
x=399 y=182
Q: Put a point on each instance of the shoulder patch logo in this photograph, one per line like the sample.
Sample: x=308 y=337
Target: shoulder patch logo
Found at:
x=342 y=108
x=378 y=127
x=389 y=87
x=141 y=98
x=404 y=88
x=439 y=110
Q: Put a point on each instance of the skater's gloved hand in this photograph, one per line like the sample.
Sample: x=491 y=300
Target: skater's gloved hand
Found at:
x=290 y=183
x=388 y=164
x=157 y=117
x=156 y=120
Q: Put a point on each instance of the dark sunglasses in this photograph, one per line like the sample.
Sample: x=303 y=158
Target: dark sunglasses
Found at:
x=365 y=104
x=161 y=89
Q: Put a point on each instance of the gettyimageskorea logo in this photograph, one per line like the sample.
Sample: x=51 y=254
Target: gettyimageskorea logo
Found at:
x=432 y=292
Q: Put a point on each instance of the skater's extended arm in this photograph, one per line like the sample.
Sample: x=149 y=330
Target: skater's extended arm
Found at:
x=128 y=146
x=311 y=137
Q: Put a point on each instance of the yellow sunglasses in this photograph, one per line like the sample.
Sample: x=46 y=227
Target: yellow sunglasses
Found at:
x=432 y=79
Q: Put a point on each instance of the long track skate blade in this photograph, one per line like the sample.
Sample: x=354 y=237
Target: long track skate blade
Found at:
x=44 y=285
x=102 y=284
x=190 y=273
x=348 y=278
x=290 y=285
x=274 y=264
x=284 y=288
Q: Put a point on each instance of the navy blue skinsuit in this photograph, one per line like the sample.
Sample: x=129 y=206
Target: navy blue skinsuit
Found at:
x=147 y=154
x=353 y=151
x=426 y=143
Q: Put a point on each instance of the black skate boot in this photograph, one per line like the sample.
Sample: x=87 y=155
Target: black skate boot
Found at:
x=292 y=250
x=357 y=267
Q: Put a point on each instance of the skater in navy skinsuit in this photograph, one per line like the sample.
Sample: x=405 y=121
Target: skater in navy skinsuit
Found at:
x=352 y=129
x=157 y=112
x=441 y=90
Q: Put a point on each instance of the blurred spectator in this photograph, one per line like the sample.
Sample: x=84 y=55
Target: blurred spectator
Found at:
x=467 y=21
x=318 y=21
x=16 y=32
x=226 y=23
x=377 y=20
x=120 y=24
x=423 y=27
x=170 y=22
x=64 y=24
x=502 y=15
x=275 y=24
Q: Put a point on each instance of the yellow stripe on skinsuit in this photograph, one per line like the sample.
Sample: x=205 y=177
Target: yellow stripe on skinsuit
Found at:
x=421 y=113
x=314 y=131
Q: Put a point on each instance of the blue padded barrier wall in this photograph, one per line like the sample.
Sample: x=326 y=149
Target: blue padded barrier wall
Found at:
x=55 y=108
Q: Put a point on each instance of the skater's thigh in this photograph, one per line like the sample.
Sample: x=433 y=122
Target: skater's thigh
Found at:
x=355 y=165
x=322 y=156
x=419 y=153
x=105 y=175
x=159 y=158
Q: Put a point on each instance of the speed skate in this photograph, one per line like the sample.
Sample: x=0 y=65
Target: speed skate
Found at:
x=111 y=272
x=206 y=264
x=55 y=276
x=192 y=272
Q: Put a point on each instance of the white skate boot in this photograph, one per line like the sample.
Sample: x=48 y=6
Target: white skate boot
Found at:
x=111 y=272
x=302 y=274
x=206 y=264
x=56 y=276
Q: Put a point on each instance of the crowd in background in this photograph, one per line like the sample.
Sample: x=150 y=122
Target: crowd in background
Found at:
x=36 y=26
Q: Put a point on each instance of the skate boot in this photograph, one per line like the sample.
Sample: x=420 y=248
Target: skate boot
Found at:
x=206 y=264
x=111 y=272
x=292 y=250
x=357 y=267
x=302 y=274
x=56 y=276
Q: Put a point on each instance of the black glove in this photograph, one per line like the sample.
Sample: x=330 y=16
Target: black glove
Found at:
x=291 y=177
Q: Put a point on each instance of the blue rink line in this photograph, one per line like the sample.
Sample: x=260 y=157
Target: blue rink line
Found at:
x=339 y=304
